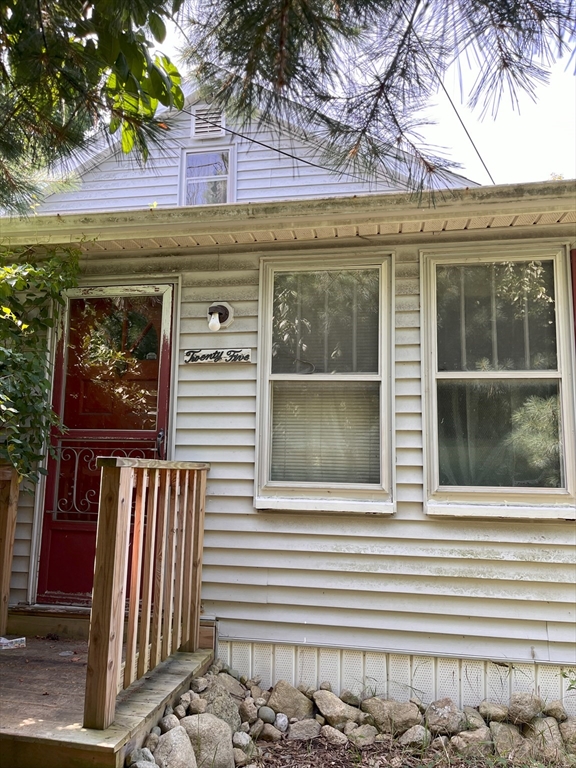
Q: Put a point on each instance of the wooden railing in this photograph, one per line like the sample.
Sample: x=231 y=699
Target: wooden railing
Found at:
x=9 y=489
x=147 y=574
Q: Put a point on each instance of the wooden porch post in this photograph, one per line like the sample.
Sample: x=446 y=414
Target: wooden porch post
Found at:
x=108 y=597
x=9 y=489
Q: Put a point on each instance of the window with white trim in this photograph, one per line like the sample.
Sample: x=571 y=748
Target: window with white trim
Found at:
x=207 y=177
x=322 y=417
x=502 y=398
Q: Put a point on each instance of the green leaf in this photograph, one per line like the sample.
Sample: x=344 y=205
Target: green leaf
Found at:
x=128 y=137
x=157 y=27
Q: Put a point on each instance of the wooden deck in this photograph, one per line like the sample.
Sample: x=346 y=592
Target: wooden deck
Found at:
x=42 y=705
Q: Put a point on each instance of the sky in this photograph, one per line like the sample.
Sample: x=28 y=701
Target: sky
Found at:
x=533 y=142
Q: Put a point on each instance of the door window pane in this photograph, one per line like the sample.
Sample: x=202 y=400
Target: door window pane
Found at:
x=499 y=433
x=499 y=316
x=325 y=432
x=326 y=322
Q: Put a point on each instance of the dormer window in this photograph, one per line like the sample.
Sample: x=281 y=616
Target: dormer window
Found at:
x=207 y=176
x=207 y=122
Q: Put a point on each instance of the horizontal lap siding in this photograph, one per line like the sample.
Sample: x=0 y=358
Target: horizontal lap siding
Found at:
x=22 y=549
x=406 y=584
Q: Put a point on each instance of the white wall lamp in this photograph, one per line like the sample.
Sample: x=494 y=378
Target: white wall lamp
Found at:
x=220 y=315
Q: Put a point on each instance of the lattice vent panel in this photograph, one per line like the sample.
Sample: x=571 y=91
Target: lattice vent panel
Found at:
x=375 y=675
x=241 y=658
x=568 y=697
x=223 y=651
x=524 y=678
x=307 y=666
x=284 y=666
x=448 y=679
x=329 y=667
x=473 y=676
x=352 y=671
x=548 y=683
x=498 y=682
x=399 y=677
x=423 y=682
x=262 y=664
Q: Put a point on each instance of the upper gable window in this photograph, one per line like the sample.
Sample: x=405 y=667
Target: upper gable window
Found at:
x=501 y=395
x=323 y=423
x=207 y=177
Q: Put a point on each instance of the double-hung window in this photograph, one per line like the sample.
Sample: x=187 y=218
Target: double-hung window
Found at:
x=323 y=430
x=207 y=177
x=502 y=398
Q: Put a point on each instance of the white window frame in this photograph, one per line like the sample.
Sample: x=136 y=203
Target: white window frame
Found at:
x=475 y=501
x=203 y=149
x=324 y=497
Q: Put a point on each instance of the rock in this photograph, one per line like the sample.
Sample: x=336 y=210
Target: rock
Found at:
x=556 y=710
x=281 y=722
x=174 y=750
x=142 y=754
x=474 y=719
x=255 y=691
x=491 y=711
x=186 y=698
x=156 y=729
x=391 y=716
x=267 y=714
x=473 y=743
x=545 y=741
x=151 y=741
x=419 y=703
x=180 y=711
x=349 y=698
x=524 y=707
x=248 y=711
x=568 y=732
x=289 y=700
x=440 y=743
x=197 y=706
x=143 y=764
x=325 y=686
x=507 y=739
x=211 y=740
x=240 y=758
x=241 y=740
x=416 y=737
x=198 y=684
x=256 y=729
x=443 y=716
x=269 y=733
x=168 y=722
x=349 y=727
x=261 y=701
x=168 y=710
x=333 y=736
x=363 y=736
x=234 y=673
x=320 y=719
x=334 y=710
x=230 y=684
x=304 y=730
x=245 y=728
x=221 y=704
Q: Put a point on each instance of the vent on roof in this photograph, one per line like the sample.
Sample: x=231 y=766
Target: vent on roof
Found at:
x=208 y=122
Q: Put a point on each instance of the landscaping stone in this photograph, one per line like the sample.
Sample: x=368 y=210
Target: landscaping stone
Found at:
x=199 y=684
x=142 y=754
x=248 y=711
x=493 y=712
x=156 y=729
x=269 y=733
x=568 y=732
x=334 y=710
x=151 y=741
x=320 y=719
x=174 y=750
x=391 y=716
x=474 y=719
x=221 y=704
x=168 y=722
x=440 y=743
x=545 y=741
x=240 y=757
x=231 y=684
x=349 y=727
x=267 y=714
x=444 y=717
x=255 y=691
x=350 y=698
x=256 y=729
x=474 y=743
x=416 y=737
x=289 y=700
x=363 y=736
x=333 y=736
x=326 y=686
x=143 y=764
x=180 y=711
x=281 y=722
x=197 y=706
x=507 y=739
x=304 y=730
x=524 y=707
x=556 y=710
x=241 y=740
x=211 y=739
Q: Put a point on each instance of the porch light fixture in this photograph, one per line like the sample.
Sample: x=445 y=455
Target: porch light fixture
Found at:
x=220 y=316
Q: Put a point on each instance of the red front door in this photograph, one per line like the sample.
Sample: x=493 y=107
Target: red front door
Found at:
x=111 y=389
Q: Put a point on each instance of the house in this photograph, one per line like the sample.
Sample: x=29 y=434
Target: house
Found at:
x=386 y=398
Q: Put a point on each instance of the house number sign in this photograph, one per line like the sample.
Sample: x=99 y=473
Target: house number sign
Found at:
x=218 y=356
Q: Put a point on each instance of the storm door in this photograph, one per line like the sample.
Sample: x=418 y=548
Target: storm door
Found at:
x=112 y=391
